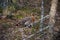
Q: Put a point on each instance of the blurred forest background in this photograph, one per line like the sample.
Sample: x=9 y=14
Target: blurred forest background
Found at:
x=13 y=12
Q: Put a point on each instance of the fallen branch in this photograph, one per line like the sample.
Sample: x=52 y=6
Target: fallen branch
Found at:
x=47 y=16
x=38 y=32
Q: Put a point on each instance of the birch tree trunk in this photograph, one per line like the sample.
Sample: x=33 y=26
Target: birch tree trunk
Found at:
x=52 y=17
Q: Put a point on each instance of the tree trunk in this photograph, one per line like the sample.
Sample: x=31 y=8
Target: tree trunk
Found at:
x=52 y=17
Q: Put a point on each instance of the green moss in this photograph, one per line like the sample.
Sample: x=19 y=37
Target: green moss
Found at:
x=19 y=16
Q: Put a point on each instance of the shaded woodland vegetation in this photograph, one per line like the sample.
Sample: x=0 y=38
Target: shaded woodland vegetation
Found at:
x=12 y=14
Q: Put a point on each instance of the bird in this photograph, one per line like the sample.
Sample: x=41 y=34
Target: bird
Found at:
x=26 y=22
x=30 y=21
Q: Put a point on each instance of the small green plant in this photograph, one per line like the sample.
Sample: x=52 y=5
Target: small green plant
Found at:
x=11 y=8
x=19 y=16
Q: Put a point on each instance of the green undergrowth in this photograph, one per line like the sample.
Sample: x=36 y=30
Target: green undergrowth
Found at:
x=27 y=9
x=19 y=16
